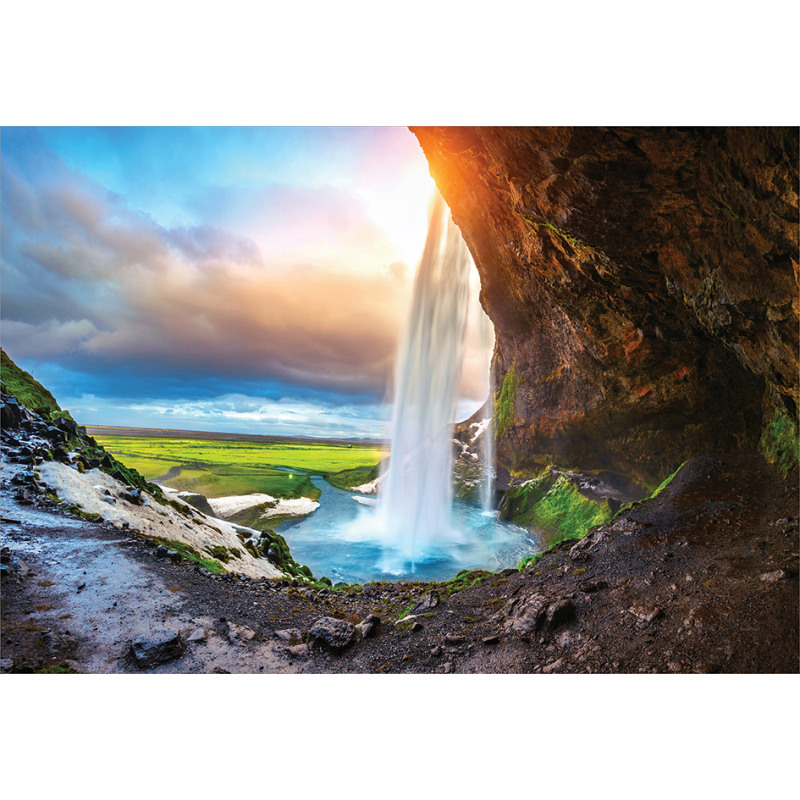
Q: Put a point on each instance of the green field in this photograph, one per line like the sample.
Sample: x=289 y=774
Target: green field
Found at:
x=218 y=468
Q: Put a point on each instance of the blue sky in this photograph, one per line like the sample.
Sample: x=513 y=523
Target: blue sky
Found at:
x=233 y=279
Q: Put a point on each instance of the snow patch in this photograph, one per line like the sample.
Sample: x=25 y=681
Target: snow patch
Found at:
x=480 y=428
x=369 y=488
x=228 y=506
x=297 y=507
x=98 y=493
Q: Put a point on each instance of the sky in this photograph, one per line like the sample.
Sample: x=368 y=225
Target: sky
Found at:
x=252 y=280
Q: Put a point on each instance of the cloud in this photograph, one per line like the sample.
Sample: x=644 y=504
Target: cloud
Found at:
x=295 y=292
x=122 y=288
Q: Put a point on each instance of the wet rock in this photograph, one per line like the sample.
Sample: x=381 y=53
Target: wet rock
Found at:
x=527 y=615
x=646 y=612
x=372 y=590
x=334 y=634
x=366 y=627
x=239 y=634
x=430 y=601
x=157 y=648
x=291 y=636
x=773 y=577
x=10 y=414
x=560 y=612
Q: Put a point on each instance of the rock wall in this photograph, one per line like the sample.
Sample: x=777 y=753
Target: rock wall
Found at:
x=643 y=284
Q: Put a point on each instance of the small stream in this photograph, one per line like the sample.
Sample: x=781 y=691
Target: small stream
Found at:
x=341 y=540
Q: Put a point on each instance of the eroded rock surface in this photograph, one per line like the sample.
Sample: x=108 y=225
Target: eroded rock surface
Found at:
x=643 y=284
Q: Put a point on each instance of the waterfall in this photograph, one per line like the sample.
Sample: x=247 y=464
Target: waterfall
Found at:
x=487 y=490
x=416 y=491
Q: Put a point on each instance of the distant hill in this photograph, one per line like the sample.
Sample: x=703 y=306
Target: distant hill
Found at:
x=24 y=386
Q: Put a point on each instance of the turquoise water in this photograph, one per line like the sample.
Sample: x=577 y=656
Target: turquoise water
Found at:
x=343 y=540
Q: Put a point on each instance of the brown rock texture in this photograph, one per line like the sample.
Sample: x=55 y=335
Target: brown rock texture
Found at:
x=643 y=284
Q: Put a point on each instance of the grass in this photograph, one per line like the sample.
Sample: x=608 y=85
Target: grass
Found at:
x=28 y=391
x=218 y=468
x=348 y=478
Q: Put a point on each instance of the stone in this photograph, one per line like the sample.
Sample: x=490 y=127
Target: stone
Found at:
x=10 y=415
x=291 y=636
x=436 y=651
x=298 y=650
x=527 y=615
x=772 y=577
x=161 y=551
x=429 y=601
x=453 y=639
x=646 y=612
x=447 y=667
x=367 y=626
x=158 y=647
x=197 y=635
x=492 y=638
x=553 y=666
x=239 y=634
x=415 y=626
x=334 y=634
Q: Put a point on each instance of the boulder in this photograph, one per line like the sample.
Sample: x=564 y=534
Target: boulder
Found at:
x=527 y=615
x=158 y=647
x=427 y=603
x=10 y=414
x=334 y=634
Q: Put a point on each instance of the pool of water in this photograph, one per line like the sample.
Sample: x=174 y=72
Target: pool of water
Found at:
x=342 y=540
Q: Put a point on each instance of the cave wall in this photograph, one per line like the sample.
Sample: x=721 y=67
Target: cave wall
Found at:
x=643 y=284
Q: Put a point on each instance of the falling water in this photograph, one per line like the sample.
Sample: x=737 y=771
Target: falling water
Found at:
x=416 y=494
x=487 y=493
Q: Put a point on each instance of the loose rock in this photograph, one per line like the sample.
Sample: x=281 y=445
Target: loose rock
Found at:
x=159 y=647
x=335 y=634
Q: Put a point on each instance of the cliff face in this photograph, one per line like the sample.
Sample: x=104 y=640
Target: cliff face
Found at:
x=643 y=284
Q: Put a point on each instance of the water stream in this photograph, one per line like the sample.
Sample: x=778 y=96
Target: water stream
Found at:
x=340 y=540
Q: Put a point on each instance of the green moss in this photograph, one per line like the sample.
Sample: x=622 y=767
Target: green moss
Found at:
x=76 y=511
x=504 y=415
x=529 y=560
x=666 y=482
x=190 y=554
x=555 y=506
x=779 y=441
x=56 y=669
x=25 y=387
x=220 y=553
x=465 y=579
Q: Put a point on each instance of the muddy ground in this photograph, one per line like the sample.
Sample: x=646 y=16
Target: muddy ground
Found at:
x=702 y=579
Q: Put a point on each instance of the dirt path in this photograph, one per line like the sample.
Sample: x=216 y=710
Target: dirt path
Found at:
x=703 y=579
